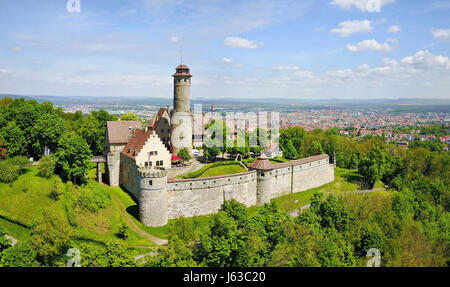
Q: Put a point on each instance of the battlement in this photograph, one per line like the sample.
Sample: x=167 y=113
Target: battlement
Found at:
x=152 y=172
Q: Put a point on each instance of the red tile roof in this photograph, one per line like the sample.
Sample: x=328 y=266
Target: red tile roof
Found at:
x=261 y=163
x=136 y=142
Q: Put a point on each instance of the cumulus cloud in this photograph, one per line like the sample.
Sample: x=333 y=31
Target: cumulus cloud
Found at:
x=227 y=60
x=286 y=68
x=348 y=28
x=17 y=49
x=441 y=34
x=372 y=45
x=237 y=42
x=363 y=5
x=174 y=39
x=424 y=60
x=394 y=29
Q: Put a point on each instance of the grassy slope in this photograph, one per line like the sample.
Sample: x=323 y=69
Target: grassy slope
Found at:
x=26 y=207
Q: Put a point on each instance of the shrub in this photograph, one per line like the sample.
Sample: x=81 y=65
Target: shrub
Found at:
x=94 y=198
x=8 y=173
x=124 y=231
x=55 y=191
x=46 y=167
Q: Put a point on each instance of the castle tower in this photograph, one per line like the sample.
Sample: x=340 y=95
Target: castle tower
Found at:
x=181 y=116
x=153 y=197
x=264 y=187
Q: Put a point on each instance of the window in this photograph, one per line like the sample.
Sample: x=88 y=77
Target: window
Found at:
x=150 y=182
x=262 y=173
x=157 y=163
x=146 y=164
x=161 y=163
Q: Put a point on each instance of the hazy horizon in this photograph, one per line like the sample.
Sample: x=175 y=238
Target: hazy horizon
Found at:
x=266 y=49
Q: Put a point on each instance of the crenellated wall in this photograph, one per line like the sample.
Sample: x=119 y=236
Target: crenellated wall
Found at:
x=169 y=198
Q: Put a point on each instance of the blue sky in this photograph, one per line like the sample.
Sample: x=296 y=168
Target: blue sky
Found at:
x=265 y=48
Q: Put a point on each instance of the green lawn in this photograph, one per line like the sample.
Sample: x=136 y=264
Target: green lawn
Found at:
x=23 y=201
x=223 y=170
x=15 y=230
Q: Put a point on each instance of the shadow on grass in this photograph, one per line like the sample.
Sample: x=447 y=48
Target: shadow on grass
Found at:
x=133 y=211
x=355 y=178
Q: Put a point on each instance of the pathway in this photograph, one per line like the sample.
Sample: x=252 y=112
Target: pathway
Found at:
x=133 y=226
x=13 y=240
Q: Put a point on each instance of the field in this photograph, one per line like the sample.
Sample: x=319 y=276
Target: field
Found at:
x=23 y=201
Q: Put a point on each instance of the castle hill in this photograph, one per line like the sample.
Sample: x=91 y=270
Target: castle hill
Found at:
x=224 y=134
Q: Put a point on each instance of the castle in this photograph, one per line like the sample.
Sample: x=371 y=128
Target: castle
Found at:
x=138 y=159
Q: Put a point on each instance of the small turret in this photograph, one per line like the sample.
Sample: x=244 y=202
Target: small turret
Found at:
x=263 y=169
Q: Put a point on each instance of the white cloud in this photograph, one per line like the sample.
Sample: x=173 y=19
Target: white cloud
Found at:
x=394 y=29
x=424 y=60
x=350 y=27
x=363 y=5
x=239 y=65
x=17 y=49
x=5 y=71
x=227 y=60
x=286 y=68
x=237 y=42
x=371 y=45
x=441 y=34
x=174 y=39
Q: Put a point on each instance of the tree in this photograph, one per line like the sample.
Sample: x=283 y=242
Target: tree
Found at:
x=315 y=148
x=46 y=166
x=108 y=254
x=373 y=166
x=129 y=117
x=14 y=139
x=184 y=154
x=124 y=231
x=55 y=190
x=289 y=150
x=46 y=133
x=72 y=157
x=3 y=150
x=50 y=237
x=21 y=255
x=4 y=242
x=294 y=135
x=174 y=254
x=218 y=248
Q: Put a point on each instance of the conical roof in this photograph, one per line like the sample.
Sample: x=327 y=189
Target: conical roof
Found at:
x=261 y=163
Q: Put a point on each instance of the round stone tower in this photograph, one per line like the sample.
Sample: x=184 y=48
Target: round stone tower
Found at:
x=152 y=196
x=181 y=116
x=264 y=187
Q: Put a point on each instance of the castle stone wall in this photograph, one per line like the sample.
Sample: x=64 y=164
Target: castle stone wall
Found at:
x=165 y=199
x=113 y=164
x=201 y=196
